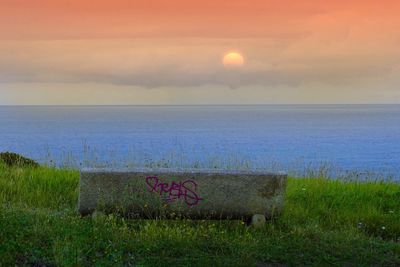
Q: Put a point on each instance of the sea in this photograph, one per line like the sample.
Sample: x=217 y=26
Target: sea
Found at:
x=358 y=141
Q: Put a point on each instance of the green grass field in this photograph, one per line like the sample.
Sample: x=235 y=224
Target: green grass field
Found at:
x=325 y=222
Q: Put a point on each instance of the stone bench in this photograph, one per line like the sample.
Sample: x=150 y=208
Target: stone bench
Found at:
x=191 y=193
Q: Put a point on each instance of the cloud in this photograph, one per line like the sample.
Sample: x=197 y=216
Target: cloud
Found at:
x=303 y=48
x=328 y=46
x=195 y=62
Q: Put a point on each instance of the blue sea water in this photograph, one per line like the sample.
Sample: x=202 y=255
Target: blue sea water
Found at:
x=294 y=138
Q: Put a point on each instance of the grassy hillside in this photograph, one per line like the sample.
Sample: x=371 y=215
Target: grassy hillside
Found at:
x=325 y=222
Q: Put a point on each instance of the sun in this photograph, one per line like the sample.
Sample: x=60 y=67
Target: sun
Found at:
x=233 y=59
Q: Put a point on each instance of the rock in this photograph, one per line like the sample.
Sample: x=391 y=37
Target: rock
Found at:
x=197 y=194
x=16 y=160
x=258 y=221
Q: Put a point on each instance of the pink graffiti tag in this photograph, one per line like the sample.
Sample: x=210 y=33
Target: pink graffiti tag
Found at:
x=175 y=190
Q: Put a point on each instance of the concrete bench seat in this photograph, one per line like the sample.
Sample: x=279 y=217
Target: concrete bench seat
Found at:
x=192 y=193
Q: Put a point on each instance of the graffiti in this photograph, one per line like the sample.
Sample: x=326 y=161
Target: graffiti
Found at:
x=185 y=190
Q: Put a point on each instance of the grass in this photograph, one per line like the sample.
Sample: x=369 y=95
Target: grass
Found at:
x=325 y=222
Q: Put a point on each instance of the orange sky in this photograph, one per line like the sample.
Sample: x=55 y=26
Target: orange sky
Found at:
x=169 y=51
x=60 y=19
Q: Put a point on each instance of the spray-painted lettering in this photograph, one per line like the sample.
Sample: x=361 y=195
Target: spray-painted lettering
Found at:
x=185 y=190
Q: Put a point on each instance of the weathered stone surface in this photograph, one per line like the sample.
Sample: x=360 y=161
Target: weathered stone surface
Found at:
x=193 y=193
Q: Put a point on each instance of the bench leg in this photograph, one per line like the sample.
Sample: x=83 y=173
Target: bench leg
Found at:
x=257 y=221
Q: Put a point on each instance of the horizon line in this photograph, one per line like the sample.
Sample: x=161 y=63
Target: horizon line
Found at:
x=139 y=105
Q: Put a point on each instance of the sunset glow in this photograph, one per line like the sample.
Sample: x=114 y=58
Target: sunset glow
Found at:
x=113 y=52
x=234 y=59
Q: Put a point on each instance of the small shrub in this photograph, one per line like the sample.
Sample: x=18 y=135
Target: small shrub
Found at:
x=13 y=159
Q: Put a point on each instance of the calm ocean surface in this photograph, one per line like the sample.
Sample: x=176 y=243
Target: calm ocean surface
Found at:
x=338 y=138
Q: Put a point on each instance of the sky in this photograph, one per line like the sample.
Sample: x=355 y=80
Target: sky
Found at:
x=161 y=52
